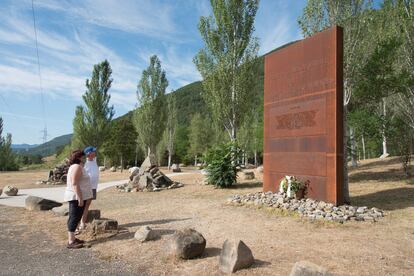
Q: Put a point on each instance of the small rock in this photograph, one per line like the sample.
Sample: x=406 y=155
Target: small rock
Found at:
x=10 y=190
x=34 y=203
x=93 y=214
x=175 y=168
x=145 y=233
x=234 y=256
x=187 y=244
x=361 y=210
x=103 y=225
x=247 y=175
x=305 y=268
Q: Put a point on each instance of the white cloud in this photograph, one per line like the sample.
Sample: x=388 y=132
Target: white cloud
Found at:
x=151 y=18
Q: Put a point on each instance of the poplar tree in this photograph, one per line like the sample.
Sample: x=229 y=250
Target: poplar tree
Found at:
x=92 y=121
x=149 y=116
x=227 y=61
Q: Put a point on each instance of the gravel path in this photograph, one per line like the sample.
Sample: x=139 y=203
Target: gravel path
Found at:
x=33 y=253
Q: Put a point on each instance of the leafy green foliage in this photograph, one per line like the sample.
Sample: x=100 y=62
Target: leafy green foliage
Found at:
x=149 y=117
x=221 y=167
x=92 y=121
x=227 y=61
x=7 y=157
x=120 y=147
x=200 y=134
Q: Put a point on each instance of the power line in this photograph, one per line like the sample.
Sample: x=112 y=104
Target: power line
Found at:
x=40 y=76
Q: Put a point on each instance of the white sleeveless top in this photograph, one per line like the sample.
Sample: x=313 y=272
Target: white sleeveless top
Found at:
x=84 y=184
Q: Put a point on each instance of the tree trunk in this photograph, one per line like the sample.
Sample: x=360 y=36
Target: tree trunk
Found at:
x=169 y=160
x=105 y=161
x=353 y=147
x=122 y=163
x=384 y=138
x=347 y=199
x=195 y=161
x=255 y=158
x=363 y=147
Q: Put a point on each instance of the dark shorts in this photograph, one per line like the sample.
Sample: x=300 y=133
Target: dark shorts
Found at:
x=93 y=194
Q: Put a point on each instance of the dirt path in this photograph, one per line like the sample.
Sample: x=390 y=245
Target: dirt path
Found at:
x=34 y=253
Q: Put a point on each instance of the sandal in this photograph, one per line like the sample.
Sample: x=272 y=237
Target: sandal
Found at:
x=79 y=241
x=74 y=245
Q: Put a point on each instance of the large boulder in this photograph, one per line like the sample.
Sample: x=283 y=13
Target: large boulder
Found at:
x=112 y=169
x=61 y=211
x=133 y=171
x=145 y=233
x=102 y=168
x=34 y=203
x=234 y=256
x=187 y=244
x=149 y=163
x=10 y=190
x=305 y=268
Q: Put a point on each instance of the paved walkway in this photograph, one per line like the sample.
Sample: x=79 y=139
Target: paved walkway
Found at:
x=54 y=193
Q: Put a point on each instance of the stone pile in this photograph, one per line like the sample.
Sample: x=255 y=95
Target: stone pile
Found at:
x=59 y=174
x=308 y=208
x=148 y=178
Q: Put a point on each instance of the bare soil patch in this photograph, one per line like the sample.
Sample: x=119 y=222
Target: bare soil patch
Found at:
x=277 y=240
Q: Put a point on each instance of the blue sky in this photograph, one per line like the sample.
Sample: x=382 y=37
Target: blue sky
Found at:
x=75 y=35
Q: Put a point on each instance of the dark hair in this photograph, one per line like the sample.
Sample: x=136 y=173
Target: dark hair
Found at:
x=76 y=157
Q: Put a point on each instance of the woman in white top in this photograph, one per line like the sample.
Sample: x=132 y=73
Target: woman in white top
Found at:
x=78 y=191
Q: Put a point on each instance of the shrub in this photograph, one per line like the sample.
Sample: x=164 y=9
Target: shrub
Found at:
x=222 y=165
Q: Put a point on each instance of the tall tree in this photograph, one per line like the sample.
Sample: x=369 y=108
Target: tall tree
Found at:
x=227 y=61
x=149 y=116
x=92 y=122
x=171 y=126
x=350 y=14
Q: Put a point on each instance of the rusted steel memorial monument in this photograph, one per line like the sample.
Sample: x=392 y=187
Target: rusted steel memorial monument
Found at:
x=303 y=115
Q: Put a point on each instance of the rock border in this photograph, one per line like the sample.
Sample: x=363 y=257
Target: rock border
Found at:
x=308 y=208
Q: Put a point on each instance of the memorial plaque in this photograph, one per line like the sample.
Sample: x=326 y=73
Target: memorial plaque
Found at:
x=303 y=115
